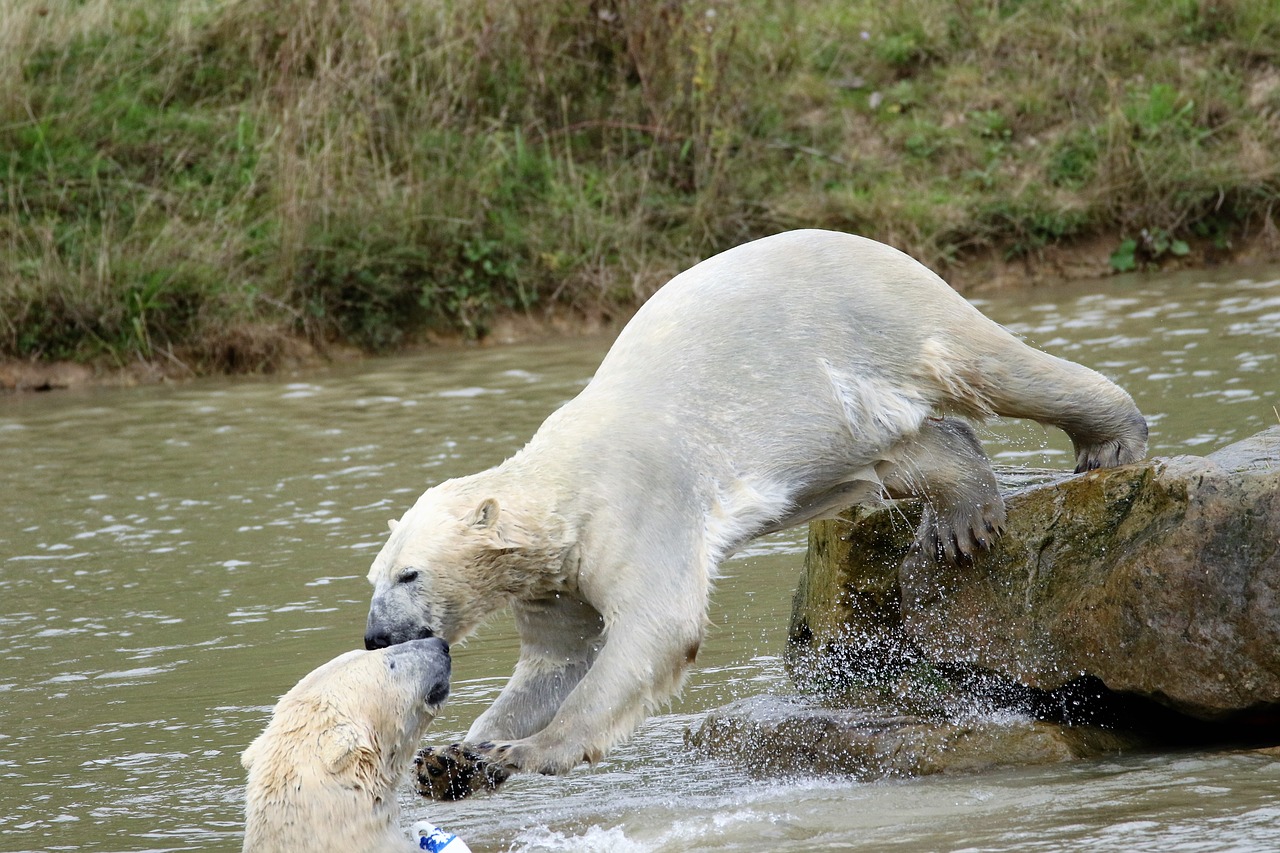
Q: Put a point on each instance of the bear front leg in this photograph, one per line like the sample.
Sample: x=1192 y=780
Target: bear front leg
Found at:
x=945 y=466
x=560 y=636
x=649 y=644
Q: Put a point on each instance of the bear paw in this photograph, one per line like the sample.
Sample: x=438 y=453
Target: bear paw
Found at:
x=455 y=772
x=954 y=538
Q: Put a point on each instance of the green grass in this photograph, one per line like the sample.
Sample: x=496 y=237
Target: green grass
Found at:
x=181 y=177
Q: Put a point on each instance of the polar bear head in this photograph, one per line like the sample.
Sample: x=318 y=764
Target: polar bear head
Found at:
x=454 y=558
x=323 y=774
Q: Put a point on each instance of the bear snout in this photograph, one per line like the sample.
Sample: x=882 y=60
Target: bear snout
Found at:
x=439 y=693
x=428 y=646
x=377 y=640
x=429 y=657
x=395 y=618
x=381 y=638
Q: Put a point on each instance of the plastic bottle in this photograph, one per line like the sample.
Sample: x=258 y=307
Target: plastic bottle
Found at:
x=436 y=840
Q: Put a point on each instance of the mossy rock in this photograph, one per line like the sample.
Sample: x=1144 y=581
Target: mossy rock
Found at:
x=1159 y=579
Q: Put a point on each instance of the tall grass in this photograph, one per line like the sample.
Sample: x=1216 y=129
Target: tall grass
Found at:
x=201 y=180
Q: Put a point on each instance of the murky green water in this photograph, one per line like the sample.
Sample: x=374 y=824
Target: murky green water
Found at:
x=172 y=559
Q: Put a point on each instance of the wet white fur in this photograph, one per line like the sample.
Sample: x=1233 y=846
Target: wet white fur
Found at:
x=323 y=775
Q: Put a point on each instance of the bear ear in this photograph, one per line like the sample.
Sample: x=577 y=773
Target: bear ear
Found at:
x=484 y=516
x=391 y=524
x=343 y=744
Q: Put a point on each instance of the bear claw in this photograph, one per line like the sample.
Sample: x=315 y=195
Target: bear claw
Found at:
x=455 y=772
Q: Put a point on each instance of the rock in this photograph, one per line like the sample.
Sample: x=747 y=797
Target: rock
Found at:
x=1122 y=608
x=784 y=736
x=1159 y=580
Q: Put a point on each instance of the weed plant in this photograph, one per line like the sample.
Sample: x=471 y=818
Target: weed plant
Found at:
x=199 y=180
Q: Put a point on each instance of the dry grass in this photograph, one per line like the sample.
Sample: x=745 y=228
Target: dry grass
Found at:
x=181 y=177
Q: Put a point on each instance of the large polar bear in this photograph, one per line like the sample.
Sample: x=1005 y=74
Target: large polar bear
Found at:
x=323 y=775
x=768 y=386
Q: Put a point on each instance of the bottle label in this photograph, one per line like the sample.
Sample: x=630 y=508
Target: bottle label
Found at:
x=436 y=840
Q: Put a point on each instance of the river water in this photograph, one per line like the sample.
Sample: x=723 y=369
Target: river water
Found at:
x=174 y=558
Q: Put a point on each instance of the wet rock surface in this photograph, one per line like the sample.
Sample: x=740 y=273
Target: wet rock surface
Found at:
x=797 y=736
x=1123 y=608
x=1161 y=580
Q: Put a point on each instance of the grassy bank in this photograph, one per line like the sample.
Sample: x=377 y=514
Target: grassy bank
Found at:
x=203 y=180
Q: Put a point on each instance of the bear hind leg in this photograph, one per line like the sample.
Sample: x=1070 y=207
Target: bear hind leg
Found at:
x=945 y=466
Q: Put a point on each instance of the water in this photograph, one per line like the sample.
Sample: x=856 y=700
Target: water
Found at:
x=172 y=559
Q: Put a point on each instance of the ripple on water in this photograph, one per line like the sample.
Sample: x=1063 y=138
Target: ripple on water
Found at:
x=180 y=557
x=594 y=839
x=474 y=391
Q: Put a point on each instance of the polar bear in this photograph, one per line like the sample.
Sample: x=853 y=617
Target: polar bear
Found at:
x=766 y=387
x=323 y=774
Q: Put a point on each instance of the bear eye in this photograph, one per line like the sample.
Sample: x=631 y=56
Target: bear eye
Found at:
x=408 y=577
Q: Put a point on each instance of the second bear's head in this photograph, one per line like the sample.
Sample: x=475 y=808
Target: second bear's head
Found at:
x=363 y=713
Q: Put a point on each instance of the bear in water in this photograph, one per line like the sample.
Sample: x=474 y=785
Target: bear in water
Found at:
x=771 y=385
x=323 y=775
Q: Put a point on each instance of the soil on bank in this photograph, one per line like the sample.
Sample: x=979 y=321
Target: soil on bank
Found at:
x=264 y=350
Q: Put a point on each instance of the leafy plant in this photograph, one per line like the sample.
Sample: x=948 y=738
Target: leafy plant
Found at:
x=1073 y=161
x=1161 y=108
x=1148 y=249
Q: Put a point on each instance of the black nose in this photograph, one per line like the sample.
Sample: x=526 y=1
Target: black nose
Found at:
x=378 y=640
